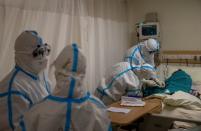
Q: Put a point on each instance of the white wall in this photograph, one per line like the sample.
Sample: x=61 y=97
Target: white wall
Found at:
x=180 y=21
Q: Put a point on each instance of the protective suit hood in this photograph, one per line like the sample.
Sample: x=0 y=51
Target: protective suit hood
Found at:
x=70 y=66
x=25 y=44
x=151 y=45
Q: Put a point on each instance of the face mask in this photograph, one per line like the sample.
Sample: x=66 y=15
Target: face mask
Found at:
x=39 y=64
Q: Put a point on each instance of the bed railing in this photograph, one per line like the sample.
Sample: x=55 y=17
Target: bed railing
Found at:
x=186 y=57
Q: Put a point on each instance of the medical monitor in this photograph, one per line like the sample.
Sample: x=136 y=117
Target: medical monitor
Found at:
x=149 y=30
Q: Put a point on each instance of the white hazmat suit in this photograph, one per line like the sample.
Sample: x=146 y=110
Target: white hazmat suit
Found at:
x=123 y=80
x=70 y=107
x=142 y=53
x=26 y=84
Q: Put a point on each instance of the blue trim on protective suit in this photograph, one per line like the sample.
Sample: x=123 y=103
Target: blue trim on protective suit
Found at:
x=103 y=93
x=75 y=57
x=34 y=77
x=69 y=107
x=11 y=92
x=22 y=124
x=39 y=39
x=149 y=68
x=70 y=100
x=3 y=94
x=120 y=74
x=117 y=76
x=46 y=84
x=68 y=116
x=132 y=57
x=140 y=51
x=72 y=86
x=19 y=94
x=110 y=127
x=67 y=100
x=27 y=73
x=9 y=100
x=23 y=95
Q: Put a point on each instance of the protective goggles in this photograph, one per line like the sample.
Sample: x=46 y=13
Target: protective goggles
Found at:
x=41 y=50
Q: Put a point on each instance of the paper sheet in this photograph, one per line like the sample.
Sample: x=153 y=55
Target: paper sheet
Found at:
x=120 y=110
x=131 y=101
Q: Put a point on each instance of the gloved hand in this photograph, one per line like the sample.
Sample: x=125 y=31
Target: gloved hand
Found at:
x=159 y=83
x=149 y=83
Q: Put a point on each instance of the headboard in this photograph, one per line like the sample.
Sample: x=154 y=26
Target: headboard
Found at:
x=189 y=61
x=180 y=57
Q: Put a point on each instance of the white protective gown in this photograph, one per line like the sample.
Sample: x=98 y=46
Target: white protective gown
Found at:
x=142 y=53
x=25 y=85
x=123 y=80
x=71 y=107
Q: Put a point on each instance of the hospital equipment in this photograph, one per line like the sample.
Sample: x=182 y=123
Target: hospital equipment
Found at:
x=149 y=30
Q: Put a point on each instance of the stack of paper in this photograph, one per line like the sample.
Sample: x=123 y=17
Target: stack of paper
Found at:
x=116 y=109
x=131 y=101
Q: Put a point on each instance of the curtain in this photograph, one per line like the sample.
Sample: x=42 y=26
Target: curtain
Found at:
x=99 y=27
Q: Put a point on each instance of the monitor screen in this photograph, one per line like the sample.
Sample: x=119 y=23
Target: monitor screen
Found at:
x=148 y=30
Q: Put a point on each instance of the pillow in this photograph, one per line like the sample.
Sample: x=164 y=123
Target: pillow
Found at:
x=183 y=99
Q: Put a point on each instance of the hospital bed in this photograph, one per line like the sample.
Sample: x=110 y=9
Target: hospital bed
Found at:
x=171 y=61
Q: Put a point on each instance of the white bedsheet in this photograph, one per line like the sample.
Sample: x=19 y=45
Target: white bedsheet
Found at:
x=180 y=113
x=180 y=106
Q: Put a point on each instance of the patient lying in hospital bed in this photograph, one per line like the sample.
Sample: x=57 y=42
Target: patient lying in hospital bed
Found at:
x=181 y=105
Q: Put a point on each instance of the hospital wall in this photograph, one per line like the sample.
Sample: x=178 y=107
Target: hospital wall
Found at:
x=180 y=22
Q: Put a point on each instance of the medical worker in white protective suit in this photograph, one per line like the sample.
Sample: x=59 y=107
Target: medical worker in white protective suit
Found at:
x=143 y=52
x=27 y=83
x=124 y=80
x=70 y=107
